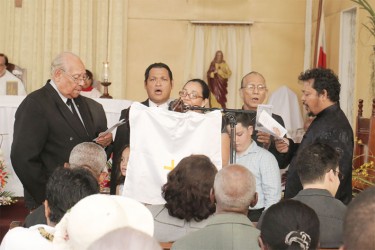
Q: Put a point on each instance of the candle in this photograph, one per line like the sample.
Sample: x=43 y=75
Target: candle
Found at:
x=105 y=71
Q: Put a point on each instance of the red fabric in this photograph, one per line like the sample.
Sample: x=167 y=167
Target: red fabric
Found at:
x=322 y=58
x=218 y=86
x=321 y=61
x=88 y=89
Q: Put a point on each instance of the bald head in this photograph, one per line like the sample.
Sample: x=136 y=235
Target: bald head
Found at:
x=89 y=154
x=359 y=223
x=234 y=189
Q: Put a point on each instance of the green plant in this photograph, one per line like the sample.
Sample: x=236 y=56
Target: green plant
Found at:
x=367 y=7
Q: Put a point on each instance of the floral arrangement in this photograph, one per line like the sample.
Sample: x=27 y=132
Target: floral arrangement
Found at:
x=105 y=178
x=364 y=175
x=6 y=198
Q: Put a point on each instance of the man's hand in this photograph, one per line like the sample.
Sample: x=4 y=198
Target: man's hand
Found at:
x=264 y=137
x=105 y=140
x=282 y=145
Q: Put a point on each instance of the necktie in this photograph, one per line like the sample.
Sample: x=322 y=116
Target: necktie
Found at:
x=74 y=111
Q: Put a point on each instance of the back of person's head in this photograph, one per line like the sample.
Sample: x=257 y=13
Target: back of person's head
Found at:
x=324 y=79
x=234 y=189
x=66 y=187
x=158 y=65
x=187 y=191
x=246 y=119
x=89 y=154
x=289 y=225
x=359 y=223
x=125 y=238
x=98 y=214
x=314 y=161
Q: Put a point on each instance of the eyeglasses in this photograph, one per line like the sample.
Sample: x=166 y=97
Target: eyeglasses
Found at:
x=76 y=78
x=339 y=174
x=192 y=95
x=251 y=87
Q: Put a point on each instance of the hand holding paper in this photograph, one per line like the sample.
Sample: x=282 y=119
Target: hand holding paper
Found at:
x=105 y=138
x=271 y=125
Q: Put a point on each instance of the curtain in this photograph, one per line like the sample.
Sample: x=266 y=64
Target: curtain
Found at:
x=234 y=40
x=36 y=33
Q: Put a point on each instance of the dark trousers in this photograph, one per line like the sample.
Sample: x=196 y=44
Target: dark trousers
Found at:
x=254 y=214
x=30 y=203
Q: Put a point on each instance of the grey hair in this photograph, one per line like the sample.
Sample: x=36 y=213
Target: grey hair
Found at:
x=252 y=73
x=89 y=154
x=59 y=61
x=234 y=187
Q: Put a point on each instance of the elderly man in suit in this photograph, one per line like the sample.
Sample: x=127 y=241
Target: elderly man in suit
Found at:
x=229 y=228
x=253 y=92
x=158 y=84
x=50 y=122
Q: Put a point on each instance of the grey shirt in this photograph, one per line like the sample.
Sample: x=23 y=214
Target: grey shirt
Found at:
x=330 y=212
x=168 y=228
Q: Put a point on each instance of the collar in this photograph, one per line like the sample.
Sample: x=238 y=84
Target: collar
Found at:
x=53 y=84
x=330 y=109
x=152 y=104
x=315 y=191
x=162 y=216
x=253 y=148
x=88 y=89
x=226 y=218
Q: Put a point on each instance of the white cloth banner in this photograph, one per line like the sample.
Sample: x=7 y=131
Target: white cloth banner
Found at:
x=159 y=139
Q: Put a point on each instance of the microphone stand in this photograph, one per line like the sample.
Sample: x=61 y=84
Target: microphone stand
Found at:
x=231 y=115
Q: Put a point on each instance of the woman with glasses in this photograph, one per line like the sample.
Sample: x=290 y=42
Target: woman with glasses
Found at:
x=87 y=89
x=195 y=93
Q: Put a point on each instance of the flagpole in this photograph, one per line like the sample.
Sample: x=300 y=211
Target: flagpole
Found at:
x=317 y=33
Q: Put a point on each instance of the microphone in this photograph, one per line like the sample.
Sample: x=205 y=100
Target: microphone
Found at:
x=177 y=105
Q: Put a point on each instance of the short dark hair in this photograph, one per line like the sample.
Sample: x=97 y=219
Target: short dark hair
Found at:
x=289 y=216
x=324 y=79
x=246 y=119
x=89 y=75
x=158 y=65
x=187 y=191
x=359 y=221
x=66 y=187
x=205 y=88
x=5 y=58
x=315 y=160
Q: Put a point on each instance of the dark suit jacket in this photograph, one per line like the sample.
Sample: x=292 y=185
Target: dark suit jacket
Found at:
x=45 y=132
x=122 y=138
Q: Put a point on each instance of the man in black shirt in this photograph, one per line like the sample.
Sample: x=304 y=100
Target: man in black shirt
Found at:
x=320 y=97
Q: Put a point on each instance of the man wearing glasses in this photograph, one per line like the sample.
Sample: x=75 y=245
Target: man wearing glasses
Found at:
x=253 y=92
x=50 y=122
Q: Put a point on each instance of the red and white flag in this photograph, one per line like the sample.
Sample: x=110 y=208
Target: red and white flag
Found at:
x=321 y=61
